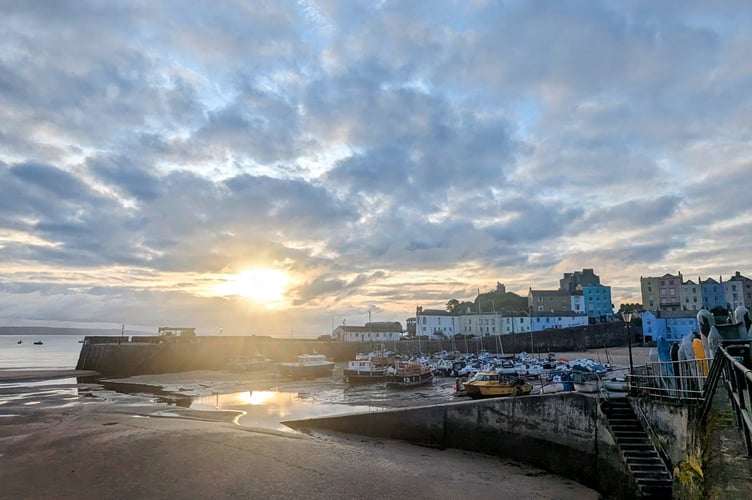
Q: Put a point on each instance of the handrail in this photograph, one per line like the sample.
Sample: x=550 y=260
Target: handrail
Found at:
x=738 y=381
x=654 y=438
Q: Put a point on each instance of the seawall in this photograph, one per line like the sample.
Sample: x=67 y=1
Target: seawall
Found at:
x=561 y=433
x=116 y=356
x=138 y=355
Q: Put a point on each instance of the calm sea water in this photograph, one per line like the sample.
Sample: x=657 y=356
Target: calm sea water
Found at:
x=56 y=352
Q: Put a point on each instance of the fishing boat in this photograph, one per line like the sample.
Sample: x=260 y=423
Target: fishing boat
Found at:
x=489 y=384
x=38 y=342
x=406 y=374
x=249 y=364
x=369 y=368
x=307 y=366
x=366 y=371
x=19 y=342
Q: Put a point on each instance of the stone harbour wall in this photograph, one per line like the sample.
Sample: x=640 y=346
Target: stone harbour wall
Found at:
x=560 y=433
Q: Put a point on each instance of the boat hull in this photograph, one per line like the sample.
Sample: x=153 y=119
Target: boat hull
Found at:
x=406 y=381
x=497 y=390
x=308 y=371
x=356 y=377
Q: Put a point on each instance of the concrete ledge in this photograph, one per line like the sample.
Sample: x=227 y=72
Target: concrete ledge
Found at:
x=556 y=432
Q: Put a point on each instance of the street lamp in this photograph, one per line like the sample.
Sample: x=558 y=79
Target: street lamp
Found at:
x=627 y=316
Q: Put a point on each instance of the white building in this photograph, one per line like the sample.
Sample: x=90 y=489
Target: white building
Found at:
x=435 y=323
x=558 y=320
x=371 y=332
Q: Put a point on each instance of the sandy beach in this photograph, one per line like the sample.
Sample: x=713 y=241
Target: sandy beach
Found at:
x=90 y=443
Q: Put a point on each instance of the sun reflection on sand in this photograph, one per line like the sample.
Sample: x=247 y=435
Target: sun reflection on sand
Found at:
x=267 y=409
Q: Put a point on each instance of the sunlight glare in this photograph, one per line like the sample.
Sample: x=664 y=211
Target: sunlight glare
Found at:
x=266 y=286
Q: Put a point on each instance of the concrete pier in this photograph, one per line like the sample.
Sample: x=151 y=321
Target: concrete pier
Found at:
x=561 y=433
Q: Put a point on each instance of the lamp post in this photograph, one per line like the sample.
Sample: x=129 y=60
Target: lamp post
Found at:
x=627 y=316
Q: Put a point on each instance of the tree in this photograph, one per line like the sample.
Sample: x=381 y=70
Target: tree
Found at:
x=452 y=305
x=625 y=308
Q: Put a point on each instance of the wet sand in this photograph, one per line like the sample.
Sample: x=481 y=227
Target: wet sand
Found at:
x=79 y=441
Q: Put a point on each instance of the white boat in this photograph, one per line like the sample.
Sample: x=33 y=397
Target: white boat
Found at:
x=616 y=385
x=307 y=366
x=552 y=387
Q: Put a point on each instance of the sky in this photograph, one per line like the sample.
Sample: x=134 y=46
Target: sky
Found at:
x=284 y=167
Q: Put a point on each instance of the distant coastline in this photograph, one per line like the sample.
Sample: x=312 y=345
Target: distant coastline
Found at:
x=46 y=330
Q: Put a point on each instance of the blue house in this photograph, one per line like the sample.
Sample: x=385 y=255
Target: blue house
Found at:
x=671 y=325
x=597 y=299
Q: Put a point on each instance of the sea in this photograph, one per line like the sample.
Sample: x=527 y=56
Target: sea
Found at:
x=261 y=400
x=57 y=352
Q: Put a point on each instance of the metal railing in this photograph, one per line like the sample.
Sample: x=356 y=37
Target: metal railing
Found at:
x=731 y=368
x=673 y=380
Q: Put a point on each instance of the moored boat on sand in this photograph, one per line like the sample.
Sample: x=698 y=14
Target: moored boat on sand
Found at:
x=365 y=371
x=307 y=366
x=247 y=364
x=488 y=384
x=406 y=374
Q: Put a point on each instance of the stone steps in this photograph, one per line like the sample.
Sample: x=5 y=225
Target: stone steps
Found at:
x=652 y=478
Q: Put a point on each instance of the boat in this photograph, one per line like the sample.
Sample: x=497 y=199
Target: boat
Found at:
x=616 y=385
x=552 y=388
x=307 y=366
x=405 y=374
x=369 y=368
x=19 y=342
x=38 y=342
x=248 y=364
x=489 y=384
x=365 y=371
x=585 y=380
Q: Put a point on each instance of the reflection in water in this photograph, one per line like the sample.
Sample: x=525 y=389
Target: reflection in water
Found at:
x=266 y=409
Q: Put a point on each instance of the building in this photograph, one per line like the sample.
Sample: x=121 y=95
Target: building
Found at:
x=480 y=325
x=597 y=302
x=434 y=323
x=577 y=303
x=387 y=331
x=549 y=300
x=574 y=281
x=661 y=293
x=671 y=325
x=712 y=292
x=548 y=321
x=691 y=296
x=737 y=291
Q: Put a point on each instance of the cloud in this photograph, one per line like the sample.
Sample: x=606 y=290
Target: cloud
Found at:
x=383 y=154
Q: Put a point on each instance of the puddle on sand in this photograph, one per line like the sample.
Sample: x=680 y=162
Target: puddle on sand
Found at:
x=266 y=409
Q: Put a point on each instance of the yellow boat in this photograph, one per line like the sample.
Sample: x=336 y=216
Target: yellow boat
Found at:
x=492 y=385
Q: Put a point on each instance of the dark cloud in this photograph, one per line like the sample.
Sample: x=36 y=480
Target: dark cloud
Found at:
x=123 y=174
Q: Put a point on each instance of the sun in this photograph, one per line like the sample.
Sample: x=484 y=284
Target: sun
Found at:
x=265 y=286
